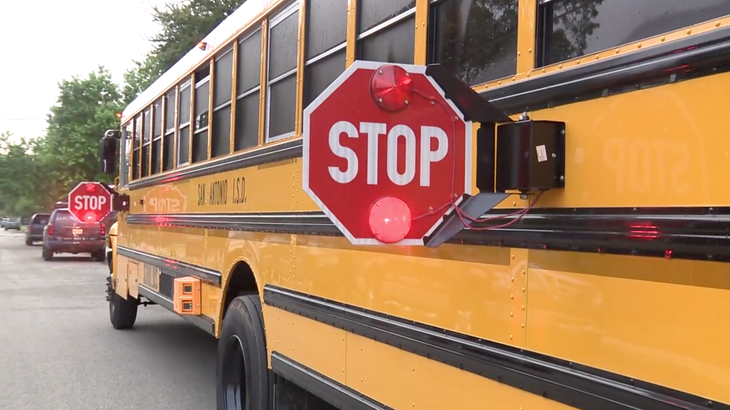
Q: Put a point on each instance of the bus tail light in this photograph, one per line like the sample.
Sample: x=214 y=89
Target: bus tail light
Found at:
x=186 y=296
x=390 y=219
x=391 y=88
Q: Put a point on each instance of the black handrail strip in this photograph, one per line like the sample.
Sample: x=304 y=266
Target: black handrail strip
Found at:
x=172 y=267
x=680 y=233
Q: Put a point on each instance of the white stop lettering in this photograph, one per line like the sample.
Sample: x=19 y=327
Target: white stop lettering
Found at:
x=89 y=202
x=374 y=131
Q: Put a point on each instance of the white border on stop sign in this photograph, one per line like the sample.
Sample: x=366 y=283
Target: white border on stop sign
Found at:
x=374 y=65
x=99 y=184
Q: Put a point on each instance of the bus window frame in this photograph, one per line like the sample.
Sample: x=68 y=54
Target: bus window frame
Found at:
x=187 y=84
x=380 y=27
x=275 y=20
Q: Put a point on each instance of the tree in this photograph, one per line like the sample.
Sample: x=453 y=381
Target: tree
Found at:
x=86 y=107
x=183 y=26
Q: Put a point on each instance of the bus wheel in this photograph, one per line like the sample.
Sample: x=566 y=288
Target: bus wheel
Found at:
x=122 y=312
x=242 y=380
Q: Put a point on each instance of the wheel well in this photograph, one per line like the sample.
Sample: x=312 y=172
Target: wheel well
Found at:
x=241 y=282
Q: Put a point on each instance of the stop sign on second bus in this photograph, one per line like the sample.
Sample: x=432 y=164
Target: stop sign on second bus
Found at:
x=90 y=202
x=385 y=155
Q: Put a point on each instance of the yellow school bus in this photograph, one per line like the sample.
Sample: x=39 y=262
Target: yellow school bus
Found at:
x=607 y=292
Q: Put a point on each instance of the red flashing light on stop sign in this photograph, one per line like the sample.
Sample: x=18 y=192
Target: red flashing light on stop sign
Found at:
x=390 y=219
x=391 y=88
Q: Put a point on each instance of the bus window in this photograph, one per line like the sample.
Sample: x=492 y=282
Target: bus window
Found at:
x=386 y=30
x=248 y=77
x=222 y=81
x=183 y=142
x=146 y=126
x=137 y=146
x=169 y=145
x=326 y=36
x=572 y=28
x=475 y=39
x=282 y=92
x=156 y=136
x=200 y=126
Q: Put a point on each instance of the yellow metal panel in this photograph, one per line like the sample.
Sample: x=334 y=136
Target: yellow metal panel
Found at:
x=526 y=35
x=319 y=346
x=653 y=319
x=191 y=128
x=462 y=288
x=421 y=27
x=673 y=156
x=264 y=80
x=133 y=271
x=298 y=112
x=518 y=296
x=234 y=94
x=120 y=277
x=211 y=90
x=404 y=380
x=351 y=31
x=272 y=188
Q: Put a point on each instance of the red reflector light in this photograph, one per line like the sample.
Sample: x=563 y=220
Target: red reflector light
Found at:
x=391 y=88
x=390 y=219
x=90 y=217
x=90 y=188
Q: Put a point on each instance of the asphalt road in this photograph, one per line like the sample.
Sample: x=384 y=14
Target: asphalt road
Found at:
x=58 y=350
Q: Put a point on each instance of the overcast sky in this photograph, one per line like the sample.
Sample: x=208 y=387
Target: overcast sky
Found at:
x=45 y=41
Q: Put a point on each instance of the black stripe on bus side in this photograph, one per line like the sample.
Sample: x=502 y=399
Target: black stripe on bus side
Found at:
x=172 y=267
x=329 y=390
x=566 y=382
x=677 y=233
x=687 y=58
x=202 y=321
x=264 y=155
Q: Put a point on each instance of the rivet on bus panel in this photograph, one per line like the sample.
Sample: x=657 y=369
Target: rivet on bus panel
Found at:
x=512 y=278
x=511 y=314
x=524 y=271
x=413 y=369
x=529 y=50
x=617 y=51
x=638 y=45
x=519 y=54
x=511 y=296
x=510 y=336
x=523 y=289
x=523 y=325
x=523 y=307
x=689 y=31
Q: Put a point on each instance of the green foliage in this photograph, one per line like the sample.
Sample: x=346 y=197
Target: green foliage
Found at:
x=35 y=173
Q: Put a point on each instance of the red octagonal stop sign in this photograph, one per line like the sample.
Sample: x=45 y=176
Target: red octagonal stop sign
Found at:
x=90 y=202
x=386 y=155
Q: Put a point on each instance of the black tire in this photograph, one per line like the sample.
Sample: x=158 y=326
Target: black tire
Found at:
x=242 y=378
x=28 y=242
x=122 y=312
x=47 y=255
x=99 y=256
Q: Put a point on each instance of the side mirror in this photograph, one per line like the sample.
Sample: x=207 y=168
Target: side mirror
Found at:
x=109 y=151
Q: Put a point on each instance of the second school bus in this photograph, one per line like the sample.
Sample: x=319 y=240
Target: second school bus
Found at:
x=611 y=292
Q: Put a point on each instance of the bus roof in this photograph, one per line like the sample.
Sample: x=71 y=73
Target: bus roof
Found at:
x=245 y=14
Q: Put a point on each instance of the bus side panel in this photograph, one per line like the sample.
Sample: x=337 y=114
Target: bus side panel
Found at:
x=660 y=146
x=468 y=289
x=120 y=276
x=653 y=319
x=317 y=345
